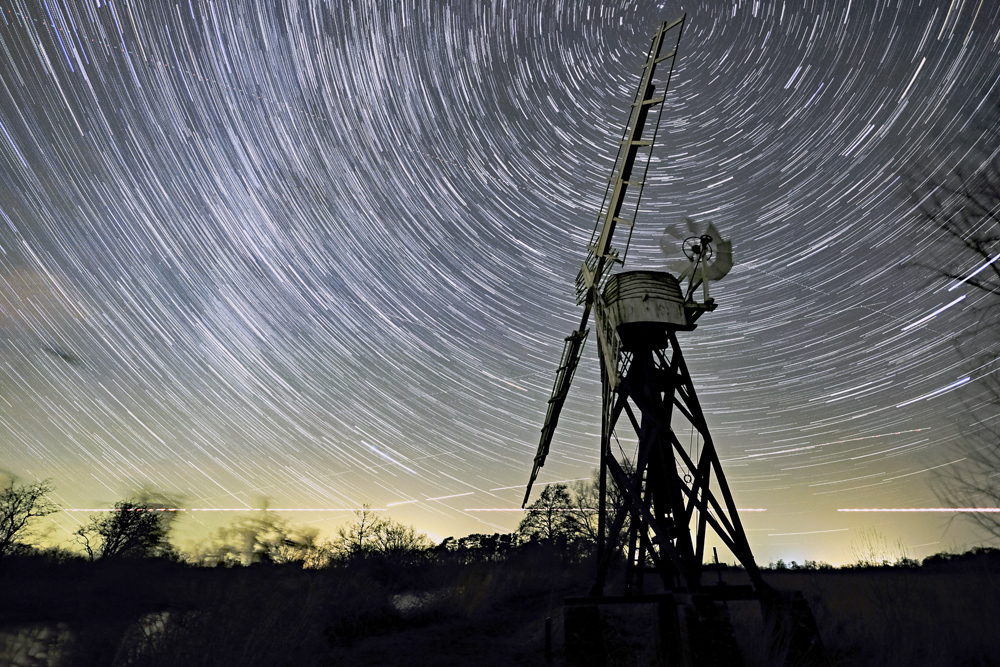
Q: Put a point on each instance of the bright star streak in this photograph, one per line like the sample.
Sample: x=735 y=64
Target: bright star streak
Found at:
x=932 y=315
x=986 y=264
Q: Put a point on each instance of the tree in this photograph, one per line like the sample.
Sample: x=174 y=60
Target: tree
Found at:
x=249 y=539
x=553 y=517
x=478 y=546
x=369 y=533
x=962 y=210
x=260 y=536
x=393 y=537
x=129 y=530
x=586 y=500
x=299 y=546
x=586 y=496
x=20 y=505
x=358 y=537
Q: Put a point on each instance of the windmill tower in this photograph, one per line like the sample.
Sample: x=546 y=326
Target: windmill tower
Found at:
x=670 y=496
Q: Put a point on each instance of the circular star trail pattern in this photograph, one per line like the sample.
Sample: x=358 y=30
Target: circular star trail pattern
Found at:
x=324 y=253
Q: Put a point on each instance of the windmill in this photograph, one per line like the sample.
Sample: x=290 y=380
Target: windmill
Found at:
x=671 y=494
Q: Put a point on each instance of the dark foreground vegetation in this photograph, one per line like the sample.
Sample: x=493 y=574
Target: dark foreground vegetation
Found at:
x=455 y=607
x=944 y=612
x=432 y=610
x=264 y=593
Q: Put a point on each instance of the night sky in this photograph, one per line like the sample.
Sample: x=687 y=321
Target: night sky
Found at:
x=325 y=254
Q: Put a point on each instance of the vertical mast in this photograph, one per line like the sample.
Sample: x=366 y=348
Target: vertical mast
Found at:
x=600 y=253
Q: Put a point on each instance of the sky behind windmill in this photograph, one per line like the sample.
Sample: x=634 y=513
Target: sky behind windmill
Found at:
x=324 y=252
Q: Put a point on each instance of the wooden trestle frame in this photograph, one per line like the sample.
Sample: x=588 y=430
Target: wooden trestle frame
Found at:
x=668 y=491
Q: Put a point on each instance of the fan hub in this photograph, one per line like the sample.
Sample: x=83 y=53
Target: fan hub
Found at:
x=695 y=247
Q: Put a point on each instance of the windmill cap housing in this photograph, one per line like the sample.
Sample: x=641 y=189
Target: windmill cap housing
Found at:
x=643 y=305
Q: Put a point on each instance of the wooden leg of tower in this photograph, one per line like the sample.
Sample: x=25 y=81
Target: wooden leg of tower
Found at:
x=610 y=549
x=630 y=563
x=602 y=508
x=640 y=562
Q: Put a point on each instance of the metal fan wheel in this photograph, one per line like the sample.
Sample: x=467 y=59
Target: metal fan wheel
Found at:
x=694 y=247
x=679 y=247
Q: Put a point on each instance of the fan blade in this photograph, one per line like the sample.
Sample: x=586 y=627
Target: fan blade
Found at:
x=572 y=351
x=672 y=244
x=692 y=227
x=680 y=266
x=711 y=231
x=679 y=263
x=723 y=261
x=671 y=230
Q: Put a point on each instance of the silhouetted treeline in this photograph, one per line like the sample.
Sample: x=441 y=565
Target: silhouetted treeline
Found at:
x=263 y=592
x=160 y=611
x=561 y=518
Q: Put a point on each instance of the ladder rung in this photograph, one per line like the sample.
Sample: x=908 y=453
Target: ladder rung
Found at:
x=613 y=178
x=639 y=142
x=665 y=28
x=651 y=101
x=675 y=23
x=660 y=59
x=669 y=55
x=623 y=221
x=612 y=254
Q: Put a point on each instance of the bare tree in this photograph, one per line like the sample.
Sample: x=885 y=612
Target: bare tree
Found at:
x=20 y=505
x=586 y=499
x=358 y=537
x=261 y=536
x=249 y=539
x=393 y=537
x=299 y=546
x=553 y=517
x=585 y=494
x=961 y=209
x=369 y=534
x=159 y=500
x=129 y=530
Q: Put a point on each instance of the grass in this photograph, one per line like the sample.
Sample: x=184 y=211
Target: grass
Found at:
x=889 y=617
x=446 y=612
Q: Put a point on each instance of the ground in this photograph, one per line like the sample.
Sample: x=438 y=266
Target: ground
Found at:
x=488 y=613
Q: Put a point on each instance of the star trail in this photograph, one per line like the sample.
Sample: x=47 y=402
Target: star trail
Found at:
x=323 y=252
